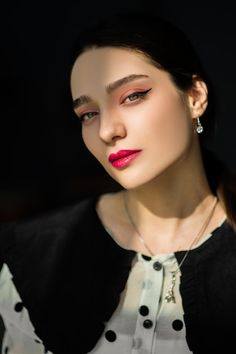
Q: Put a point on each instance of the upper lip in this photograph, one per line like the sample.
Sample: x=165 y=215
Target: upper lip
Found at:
x=121 y=153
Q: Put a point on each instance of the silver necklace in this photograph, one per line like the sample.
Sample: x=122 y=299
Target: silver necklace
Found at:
x=170 y=295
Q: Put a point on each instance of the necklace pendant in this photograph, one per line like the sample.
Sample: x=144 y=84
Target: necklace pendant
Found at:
x=170 y=296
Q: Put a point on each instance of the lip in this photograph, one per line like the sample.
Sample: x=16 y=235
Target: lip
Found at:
x=123 y=158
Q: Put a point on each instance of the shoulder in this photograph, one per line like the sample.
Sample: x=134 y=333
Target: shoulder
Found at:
x=217 y=250
x=59 y=242
x=44 y=246
x=66 y=266
x=45 y=226
x=213 y=264
x=223 y=241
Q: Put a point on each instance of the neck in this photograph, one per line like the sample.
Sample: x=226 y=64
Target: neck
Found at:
x=176 y=204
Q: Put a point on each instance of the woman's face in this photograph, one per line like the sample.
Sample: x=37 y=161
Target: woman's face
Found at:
x=134 y=120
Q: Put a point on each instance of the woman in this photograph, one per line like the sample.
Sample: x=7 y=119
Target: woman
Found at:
x=151 y=268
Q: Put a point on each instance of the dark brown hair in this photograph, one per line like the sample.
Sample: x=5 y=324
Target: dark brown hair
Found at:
x=168 y=48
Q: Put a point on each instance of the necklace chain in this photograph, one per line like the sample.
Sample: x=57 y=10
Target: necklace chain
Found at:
x=170 y=296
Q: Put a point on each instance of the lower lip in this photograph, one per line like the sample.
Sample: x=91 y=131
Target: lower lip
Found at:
x=125 y=161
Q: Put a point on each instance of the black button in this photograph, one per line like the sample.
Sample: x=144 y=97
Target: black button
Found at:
x=110 y=336
x=147 y=258
x=144 y=310
x=177 y=325
x=19 y=307
x=6 y=350
x=147 y=324
x=157 y=266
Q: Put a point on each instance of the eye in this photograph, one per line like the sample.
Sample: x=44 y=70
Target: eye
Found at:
x=87 y=116
x=136 y=96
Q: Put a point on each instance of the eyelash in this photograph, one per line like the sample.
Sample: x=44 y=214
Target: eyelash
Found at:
x=140 y=96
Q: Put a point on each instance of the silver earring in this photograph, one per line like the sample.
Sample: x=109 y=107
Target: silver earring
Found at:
x=199 y=128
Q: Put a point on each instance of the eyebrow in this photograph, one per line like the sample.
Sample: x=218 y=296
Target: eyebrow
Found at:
x=109 y=88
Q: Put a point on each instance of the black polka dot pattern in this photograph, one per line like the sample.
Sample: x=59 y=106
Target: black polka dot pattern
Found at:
x=19 y=306
x=147 y=258
x=157 y=266
x=177 y=325
x=147 y=324
x=144 y=310
x=110 y=336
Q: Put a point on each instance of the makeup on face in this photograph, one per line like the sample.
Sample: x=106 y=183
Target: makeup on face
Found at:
x=127 y=90
x=140 y=129
x=110 y=88
x=123 y=158
x=133 y=96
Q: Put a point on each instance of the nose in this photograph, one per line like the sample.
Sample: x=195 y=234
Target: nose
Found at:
x=111 y=128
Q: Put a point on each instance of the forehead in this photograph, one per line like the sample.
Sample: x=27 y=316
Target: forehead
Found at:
x=100 y=66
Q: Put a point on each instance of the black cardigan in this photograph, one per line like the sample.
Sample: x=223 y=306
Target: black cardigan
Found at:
x=69 y=302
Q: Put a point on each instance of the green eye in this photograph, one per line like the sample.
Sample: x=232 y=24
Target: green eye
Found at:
x=87 y=116
x=137 y=95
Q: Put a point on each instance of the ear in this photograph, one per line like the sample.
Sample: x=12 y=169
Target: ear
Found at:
x=197 y=97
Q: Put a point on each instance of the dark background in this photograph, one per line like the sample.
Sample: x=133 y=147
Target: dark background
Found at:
x=43 y=161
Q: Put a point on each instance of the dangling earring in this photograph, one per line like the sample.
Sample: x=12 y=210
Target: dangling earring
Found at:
x=199 y=128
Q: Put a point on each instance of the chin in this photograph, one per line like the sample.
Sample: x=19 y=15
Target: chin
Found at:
x=132 y=180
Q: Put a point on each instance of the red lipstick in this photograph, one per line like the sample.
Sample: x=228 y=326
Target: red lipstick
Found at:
x=123 y=158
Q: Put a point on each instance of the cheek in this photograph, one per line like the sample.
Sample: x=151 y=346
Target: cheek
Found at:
x=89 y=136
x=167 y=125
x=166 y=114
x=88 y=140
x=174 y=122
x=175 y=132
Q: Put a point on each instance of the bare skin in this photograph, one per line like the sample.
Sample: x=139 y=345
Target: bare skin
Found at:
x=111 y=211
x=169 y=197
